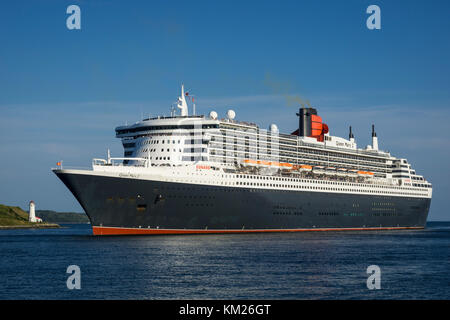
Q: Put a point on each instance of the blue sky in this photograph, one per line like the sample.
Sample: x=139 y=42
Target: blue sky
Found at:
x=63 y=91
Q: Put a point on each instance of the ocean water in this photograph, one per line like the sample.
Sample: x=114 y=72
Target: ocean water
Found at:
x=316 y=265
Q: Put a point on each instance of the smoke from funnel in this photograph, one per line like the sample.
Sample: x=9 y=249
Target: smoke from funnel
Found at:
x=284 y=89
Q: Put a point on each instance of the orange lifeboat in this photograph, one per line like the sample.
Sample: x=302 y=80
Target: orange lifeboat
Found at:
x=264 y=163
x=285 y=165
x=365 y=173
x=249 y=162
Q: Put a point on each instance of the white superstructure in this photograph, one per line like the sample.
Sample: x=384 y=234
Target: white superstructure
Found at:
x=227 y=152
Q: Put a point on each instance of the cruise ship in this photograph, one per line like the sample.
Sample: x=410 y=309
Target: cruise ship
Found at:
x=197 y=174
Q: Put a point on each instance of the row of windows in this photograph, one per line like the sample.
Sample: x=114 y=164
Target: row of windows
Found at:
x=162 y=150
x=195 y=141
x=186 y=150
x=164 y=134
x=161 y=158
x=390 y=214
x=226 y=138
x=195 y=150
x=168 y=127
x=162 y=141
x=276 y=185
x=280 y=206
x=328 y=213
x=262 y=150
x=422 y=185
x=336 y=183
x=199 y=204
x=289 y=213
x=143 y=207
x=288 y=179
x=348 y=214
x=383 y=209
x=220 y=189
x=194 y=158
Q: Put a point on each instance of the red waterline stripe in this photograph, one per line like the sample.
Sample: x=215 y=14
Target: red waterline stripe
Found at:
x=136 y=231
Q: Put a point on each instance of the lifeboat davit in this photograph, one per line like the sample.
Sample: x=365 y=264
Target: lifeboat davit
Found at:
x=249 y=163
x=353 y=173
x=305 y=168
x=318 y=169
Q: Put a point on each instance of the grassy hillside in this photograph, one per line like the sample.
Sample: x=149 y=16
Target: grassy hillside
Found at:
x=62 y=217
x=13 y=216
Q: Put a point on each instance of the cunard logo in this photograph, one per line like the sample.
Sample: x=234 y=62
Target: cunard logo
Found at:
x=203 y=167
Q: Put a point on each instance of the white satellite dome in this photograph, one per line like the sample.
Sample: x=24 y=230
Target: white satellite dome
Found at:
x=213 y=115
x=231 y=114
x=273 y=128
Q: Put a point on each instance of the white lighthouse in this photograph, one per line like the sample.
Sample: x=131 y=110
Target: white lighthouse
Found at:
x=32 y=214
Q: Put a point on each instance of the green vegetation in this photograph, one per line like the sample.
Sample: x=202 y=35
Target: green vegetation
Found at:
x=16 y=217
x=62 y=217
x=13 y=216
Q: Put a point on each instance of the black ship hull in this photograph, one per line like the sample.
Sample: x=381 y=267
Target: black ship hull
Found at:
x=132 y=206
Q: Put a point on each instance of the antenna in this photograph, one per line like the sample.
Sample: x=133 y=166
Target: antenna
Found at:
x=182 y=105
x=192 y=98
x=374 y=138
x=350 y=135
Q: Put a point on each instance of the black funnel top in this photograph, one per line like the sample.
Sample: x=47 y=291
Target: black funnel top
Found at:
x=304 y=124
